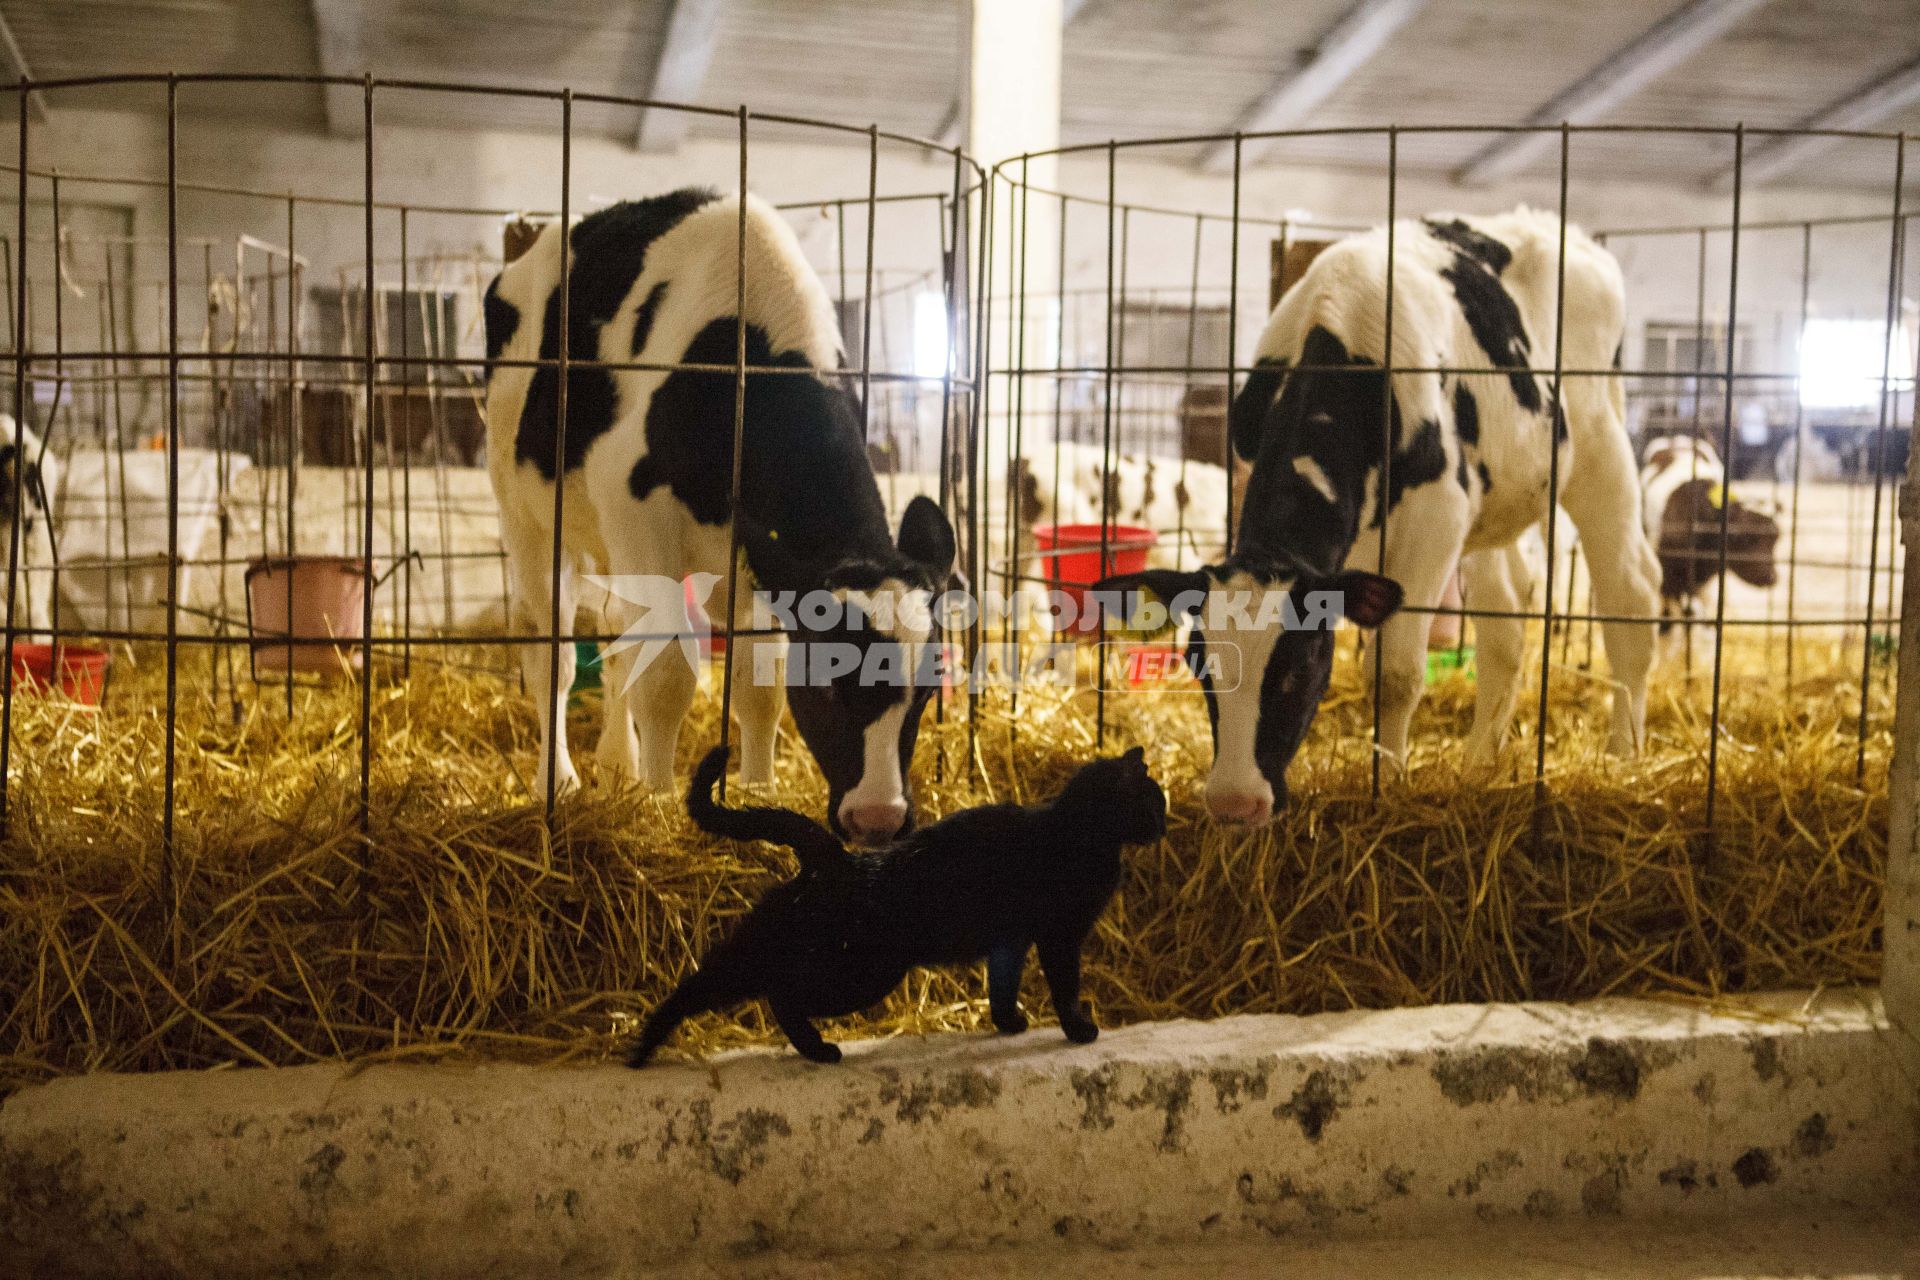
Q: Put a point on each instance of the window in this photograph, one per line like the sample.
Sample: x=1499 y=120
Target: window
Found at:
x=929 y=335
x=1694 y=355
x=1156 y=334
x=1843 y=361
x=423 y=322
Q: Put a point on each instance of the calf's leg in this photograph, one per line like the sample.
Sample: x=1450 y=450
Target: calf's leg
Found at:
x=1499 y=646
x=532 y=586
x=759 y=693
x=1605 y=507
x=654 y=674
x=619 y=750
x=1424 y=539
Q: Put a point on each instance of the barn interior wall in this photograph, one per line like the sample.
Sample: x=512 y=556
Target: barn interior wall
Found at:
x=522 y=171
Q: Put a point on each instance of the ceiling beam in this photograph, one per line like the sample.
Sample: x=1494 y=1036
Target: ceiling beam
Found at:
x=1343 y=49
x=1774 y=157
x=17 y=64
x=686 y=54
x=953 y=121
x=1610 y=85
x=340 y=31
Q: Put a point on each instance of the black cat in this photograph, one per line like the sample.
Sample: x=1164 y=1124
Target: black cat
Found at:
x=987 y=882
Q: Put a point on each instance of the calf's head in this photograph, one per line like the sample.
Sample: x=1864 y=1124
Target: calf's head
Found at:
x=1689 y=544
x=1262 y=647
x=862 y=666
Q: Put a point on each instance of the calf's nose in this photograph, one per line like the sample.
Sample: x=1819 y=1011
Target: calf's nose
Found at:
x=1250 y=808
x=874 y=822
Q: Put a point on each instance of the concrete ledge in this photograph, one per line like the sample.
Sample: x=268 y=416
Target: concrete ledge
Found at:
x=1401 y=1121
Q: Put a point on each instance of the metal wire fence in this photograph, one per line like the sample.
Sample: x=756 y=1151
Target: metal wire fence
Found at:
x=1068 y=315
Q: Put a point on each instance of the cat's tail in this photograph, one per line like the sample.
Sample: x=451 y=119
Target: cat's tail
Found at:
x=812 y=842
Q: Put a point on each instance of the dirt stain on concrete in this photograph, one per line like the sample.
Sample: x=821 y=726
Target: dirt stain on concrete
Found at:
x=1317 y=1101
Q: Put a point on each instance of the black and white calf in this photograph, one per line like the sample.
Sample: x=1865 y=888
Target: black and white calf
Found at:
x=648 y=466
x=34 y=563
x=1471 y=453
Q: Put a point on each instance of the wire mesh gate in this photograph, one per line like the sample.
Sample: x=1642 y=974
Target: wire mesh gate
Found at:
x=1839 y=573
x=989 y=414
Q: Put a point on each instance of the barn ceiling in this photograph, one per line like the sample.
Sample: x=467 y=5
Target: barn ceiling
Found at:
x=1133 y=68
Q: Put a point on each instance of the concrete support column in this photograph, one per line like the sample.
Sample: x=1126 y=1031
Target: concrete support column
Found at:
x=1012 y=107
x=1011 y=104
x=1013 y=77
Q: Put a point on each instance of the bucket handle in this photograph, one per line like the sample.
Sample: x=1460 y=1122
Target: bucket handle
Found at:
x=394 y=568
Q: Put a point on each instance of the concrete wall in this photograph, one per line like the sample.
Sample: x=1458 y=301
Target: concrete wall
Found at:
x=1245 y=1128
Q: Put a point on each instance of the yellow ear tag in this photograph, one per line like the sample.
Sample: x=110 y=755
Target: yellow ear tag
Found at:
x=1131 y=629
x=1717 y=496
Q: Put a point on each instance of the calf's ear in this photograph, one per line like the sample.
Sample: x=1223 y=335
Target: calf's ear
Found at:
x=1367 y=599
x=926 y=538
x=1182 y=591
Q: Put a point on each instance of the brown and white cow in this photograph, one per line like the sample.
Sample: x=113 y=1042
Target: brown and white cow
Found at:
x=649 y=500
x=1184 y=503
x=1687 y=505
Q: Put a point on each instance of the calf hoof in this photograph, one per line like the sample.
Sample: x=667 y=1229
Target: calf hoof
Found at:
x=1080 y=1030
x=617 y=774
x=824 y=1054
x=1480 y=757
x=1011 y=1025
x=1623 y=745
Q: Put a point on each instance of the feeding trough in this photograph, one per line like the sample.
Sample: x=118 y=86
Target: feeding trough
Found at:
x=305 y=613
x=1076 y=555
x=76 y=672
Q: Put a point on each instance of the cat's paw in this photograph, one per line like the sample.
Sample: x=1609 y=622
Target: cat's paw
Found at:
x=1080 y=1029
x=1011 y=1024
x=825 y=1054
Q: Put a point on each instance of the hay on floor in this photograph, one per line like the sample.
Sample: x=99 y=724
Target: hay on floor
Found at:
x=277 y=935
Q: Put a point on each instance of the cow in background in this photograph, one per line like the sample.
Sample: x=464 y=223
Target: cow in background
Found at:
x=648 y=466
x=1474 y=428
x=36 y=487
x=1684 y=488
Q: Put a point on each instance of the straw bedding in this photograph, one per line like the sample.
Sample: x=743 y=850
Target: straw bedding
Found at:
x=464 y=925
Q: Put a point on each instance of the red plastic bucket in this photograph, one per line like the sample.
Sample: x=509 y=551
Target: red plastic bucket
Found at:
x=1071 y=554
x=83 y=671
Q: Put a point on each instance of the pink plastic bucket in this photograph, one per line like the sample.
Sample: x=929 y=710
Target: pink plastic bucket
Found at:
x=305 y=612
